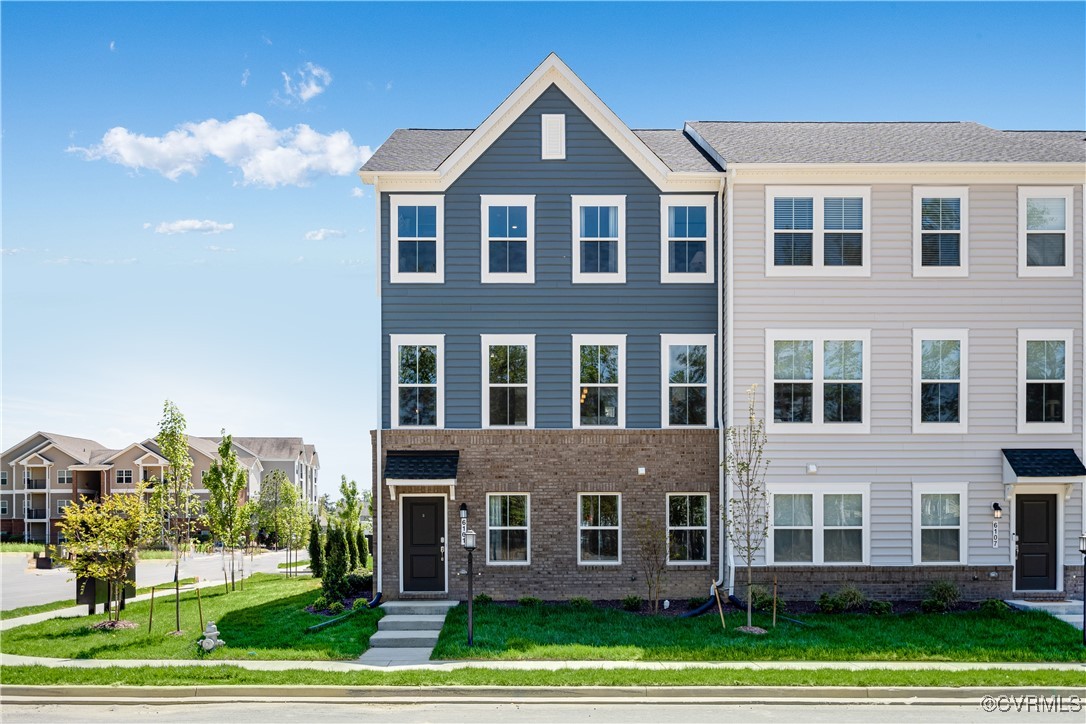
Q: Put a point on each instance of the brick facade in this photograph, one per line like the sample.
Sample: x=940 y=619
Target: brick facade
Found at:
x=553 y=466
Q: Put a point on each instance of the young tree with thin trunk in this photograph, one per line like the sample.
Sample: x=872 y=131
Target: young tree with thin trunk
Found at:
x=650 y=540
x=225 y=482
x=271 y=501
x=350 y=511
x=748 y=509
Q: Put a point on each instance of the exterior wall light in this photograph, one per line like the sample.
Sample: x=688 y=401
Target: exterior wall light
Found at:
x=997 y=511
x=463 y=511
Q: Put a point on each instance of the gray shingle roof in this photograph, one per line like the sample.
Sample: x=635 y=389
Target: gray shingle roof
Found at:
x=676 y=149
x=1058 y=463
x=87 y=451
x=958 y=142
x=421 y=464
x=416 y=149
x=272 y=448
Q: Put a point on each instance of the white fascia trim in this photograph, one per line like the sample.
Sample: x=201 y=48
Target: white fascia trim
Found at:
x=709 y=342
x=818 y=194
x=485 y=275
x=616 y=277
x=942 y=192
x=1067 y=336
x=618 y=340
x=24 y=441
x=394 y=275
x=706 y=528
x=395 y=342
x=960 y=489
x=946 y=428
x=906 y=173
x=818 y=520
x=487 y=340
x=581 y=562
x=817 y=426
x=527 y=524
x=1067 y=193
x=669 y=277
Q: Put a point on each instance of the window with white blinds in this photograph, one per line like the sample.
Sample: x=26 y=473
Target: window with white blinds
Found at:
x=819 y=230
x=940 y=231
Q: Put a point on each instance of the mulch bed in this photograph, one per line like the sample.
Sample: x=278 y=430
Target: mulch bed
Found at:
x=348 y=604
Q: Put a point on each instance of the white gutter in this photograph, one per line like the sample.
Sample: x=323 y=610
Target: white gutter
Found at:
x=729 y=346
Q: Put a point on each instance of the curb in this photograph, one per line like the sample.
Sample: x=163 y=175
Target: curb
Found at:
x=543 y=694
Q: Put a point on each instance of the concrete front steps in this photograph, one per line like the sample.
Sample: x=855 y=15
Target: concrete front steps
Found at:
x=1069 y=611
x=407 y=633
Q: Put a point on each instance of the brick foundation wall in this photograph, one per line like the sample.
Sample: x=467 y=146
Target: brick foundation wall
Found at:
x=887 y=583
x=553 y=466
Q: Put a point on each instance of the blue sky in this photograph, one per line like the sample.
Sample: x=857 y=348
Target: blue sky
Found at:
x=181 y=213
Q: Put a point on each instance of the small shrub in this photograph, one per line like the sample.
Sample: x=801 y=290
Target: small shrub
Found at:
x=482 y=599
x=762 y=600
x=696 y=602
x=320 y=604
x=633 y=603
x=851 y=598
x=580 y=603
x=882 y=608
x=335 y=608
x=358 y=581
x=994 y=607
x=530 y=602
x=942 y=595
x=359 y=603
x=828 y=603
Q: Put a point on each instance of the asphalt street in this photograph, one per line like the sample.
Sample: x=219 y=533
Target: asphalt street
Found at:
x=22 y=585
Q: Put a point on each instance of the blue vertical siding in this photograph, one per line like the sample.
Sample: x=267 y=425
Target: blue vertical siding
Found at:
x=553 y=308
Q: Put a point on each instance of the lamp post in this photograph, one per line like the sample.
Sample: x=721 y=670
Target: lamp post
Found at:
x=469 y=546
x=1082 y=549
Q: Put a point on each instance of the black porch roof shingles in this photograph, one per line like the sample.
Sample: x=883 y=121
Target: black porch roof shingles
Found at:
x=1045 y=463
x=421 y=464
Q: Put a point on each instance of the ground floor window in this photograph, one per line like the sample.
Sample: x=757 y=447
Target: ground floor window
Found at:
x=599 y=527
x=508 y=533
x=687 y=528
x=818 y=526
x=937 y=522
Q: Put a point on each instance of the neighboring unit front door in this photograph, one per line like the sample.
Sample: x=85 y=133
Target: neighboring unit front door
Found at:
x=1035 y=517
x=423 y=544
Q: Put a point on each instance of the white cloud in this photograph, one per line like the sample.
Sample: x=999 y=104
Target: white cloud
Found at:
x=11 y=251
x=183 y=226
x=147 y=224
x=312 y=80
x=299 y=260
x=357 y=192
x=222 y=249
x=388 y=86
x=350 y=262
x=69 y=260
x=322 y=234
x=245 y=78
x=113 y=46
x=265 y=155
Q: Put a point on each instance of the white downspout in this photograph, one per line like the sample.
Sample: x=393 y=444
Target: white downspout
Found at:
x=721 y=405
x=729 y=345
x=378 y=489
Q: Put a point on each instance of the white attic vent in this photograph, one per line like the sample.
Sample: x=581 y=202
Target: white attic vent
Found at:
x=554 y=136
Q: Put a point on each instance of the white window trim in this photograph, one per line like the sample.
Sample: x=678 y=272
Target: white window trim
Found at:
x=70 y=475
x=1067 y=336
x=527 y=527
x=528 y=340
x=669 y=277
x=552 y=120
x=395 y=276
x=616 y=277
x=62 y=503
x=961 y=489
x=818 y=520
x=706 y=528
x=3 y=507
x=599 y=339
x=3 y=478
x=817 y=268
x=709 y=341
x=488 y=277
x=580 y=528
x=818 y=426
x=940 y=192
x=117 y=477
x=395 y=342
x=947 y=428
x=1068 y=194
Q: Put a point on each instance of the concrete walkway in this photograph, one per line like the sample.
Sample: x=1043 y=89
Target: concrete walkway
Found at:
x=1069 y=611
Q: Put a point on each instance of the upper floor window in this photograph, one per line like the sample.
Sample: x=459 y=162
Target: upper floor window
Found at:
x=3 y=507
x=686 y=239
x=687 y=366
x=417 y=370
x=1044 y=359
x=818 y=381
x=1045 y=245
x=599 y=374
x=599 y=239
x=822 y=230
x=64 y=477
x=940 y=233
x=940 y=383
x=508 y=380
x=508 y=242
x=3 y=477
x=124 y=477
x=417 y=249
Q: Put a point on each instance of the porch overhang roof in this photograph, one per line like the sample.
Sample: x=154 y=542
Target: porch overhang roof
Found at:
x=1042 y=466
x=416 y=468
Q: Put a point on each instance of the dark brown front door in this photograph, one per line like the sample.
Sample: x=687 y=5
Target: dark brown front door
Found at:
x=423 y=544
x=1035 y=517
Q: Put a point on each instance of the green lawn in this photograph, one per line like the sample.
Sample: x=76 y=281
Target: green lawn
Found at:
x=294 y=564
x=11 y=547
x=265 y=621
x=56 y=605
x=561 y=632
x=234 y=675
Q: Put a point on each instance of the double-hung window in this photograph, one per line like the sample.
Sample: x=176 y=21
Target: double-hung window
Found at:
x=3 y=507
x=1044 y=363
x=599 y=380
x=687 y=528
x=61 y=505
x=686 y=239
x=1045 y=242
x=3 y=478
x=417 y=369
x=821 y=230
x=819 y=381
x=599 y=239
x=940 y=231
x=938 y=515
x=687 y=365
x=508 y=380
x=508 y=239
x=828 y=526
x=940 y=380
x=124 y=477
x=64 y=477
x=599 y=528
x=508 y=531
x=417 y=248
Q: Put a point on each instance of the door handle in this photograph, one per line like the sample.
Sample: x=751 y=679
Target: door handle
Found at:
x=442 y=554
